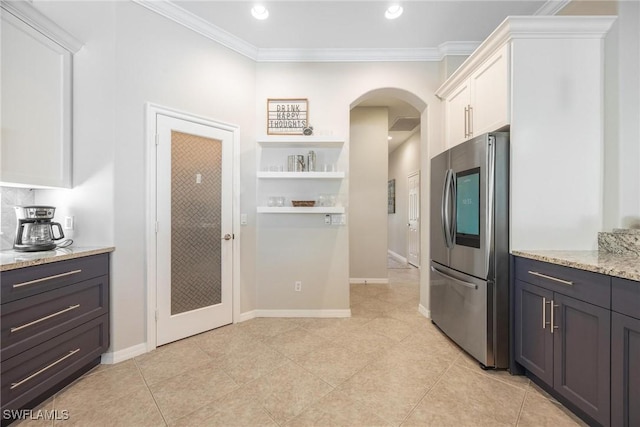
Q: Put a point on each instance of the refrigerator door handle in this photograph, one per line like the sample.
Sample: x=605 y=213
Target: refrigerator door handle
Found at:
x=444 y=209
x=491 y=167
x=454 y=280
x=454 y=211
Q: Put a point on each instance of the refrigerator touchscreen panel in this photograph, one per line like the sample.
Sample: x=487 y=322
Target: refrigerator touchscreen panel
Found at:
x=468 y=208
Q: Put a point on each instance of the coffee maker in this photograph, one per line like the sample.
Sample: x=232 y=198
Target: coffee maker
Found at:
x=35 y=231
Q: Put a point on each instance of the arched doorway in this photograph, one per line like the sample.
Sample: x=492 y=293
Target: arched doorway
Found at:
x=380 y=232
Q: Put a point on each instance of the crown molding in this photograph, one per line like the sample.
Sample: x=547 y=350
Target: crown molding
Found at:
x=174 y=12
x=551 y=7
x=529 y=27
x=457 y=48
x=31 y=16
x=366 y=55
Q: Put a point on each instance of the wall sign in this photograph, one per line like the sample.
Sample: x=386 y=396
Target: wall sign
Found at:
x=287 y=116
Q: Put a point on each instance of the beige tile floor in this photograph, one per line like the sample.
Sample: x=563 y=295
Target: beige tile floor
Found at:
x=387 y=365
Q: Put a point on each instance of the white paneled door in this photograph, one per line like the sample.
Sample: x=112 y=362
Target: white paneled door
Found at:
x=413 y=230
x=194 y=228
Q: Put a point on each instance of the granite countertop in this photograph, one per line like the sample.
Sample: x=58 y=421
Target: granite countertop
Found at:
x=617 y=265
x=11 y=260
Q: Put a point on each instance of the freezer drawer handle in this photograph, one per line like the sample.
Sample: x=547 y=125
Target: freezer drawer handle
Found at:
x=454 y=280
x=555 y=279
x=42 y=319
x=51 y=365
x=31 y=282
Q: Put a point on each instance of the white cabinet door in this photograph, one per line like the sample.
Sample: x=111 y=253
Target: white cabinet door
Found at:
x=36 y=107
x=480 y=103
x=456 y=114
x=490 y=94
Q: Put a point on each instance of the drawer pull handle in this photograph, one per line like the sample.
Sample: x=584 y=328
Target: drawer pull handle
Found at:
x=26 y=325
x=31 y=282
x=49 y=366
x=544 y=312
x=555 y=279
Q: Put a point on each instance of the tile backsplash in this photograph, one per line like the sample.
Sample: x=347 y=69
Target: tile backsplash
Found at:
x=11 y=197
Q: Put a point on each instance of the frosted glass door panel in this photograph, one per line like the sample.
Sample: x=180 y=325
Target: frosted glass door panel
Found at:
x=196 y=172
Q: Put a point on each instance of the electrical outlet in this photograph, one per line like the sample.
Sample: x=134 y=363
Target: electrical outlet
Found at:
x=298 y=286
x=327 y=219
x=68 y=222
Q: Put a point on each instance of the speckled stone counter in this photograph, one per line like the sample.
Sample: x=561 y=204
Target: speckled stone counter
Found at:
x=11 y=259
x=624 y=266
x=620 y=241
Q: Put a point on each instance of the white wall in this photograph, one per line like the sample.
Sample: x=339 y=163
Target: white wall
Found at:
x=132 y=56
x=403 y=161
x=622 y=130
x=331 y=88
x=368 y=170
x=622 y=109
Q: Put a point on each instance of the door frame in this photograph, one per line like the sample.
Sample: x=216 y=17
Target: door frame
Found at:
x=417 y=173
x=151 y=111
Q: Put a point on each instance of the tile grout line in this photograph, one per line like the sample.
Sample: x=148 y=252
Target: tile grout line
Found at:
x=524 y=400
x=437 y=381
x=150 y=392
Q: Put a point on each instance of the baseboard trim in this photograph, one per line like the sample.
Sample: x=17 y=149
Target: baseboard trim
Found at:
x=124 y=354
x=397 y=256
x=247 y=315
x=302 y=313
x=424 y=311
x=369 y=281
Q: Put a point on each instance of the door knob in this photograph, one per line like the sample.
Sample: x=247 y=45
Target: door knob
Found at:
x=227 y=237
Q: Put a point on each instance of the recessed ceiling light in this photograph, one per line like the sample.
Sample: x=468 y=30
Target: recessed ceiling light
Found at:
x=389 y=138
x=393 y=11
x=259 y=12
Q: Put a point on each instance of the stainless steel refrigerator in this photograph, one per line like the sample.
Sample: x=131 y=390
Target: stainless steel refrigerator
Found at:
x=469 y=277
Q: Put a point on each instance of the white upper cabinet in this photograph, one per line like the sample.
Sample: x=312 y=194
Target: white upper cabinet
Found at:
x=490 y=94
x=457 y=114
x=480 y=102
x=543 y=77
x=36 y=87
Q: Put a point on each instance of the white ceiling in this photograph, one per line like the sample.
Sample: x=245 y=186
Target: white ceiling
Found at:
x=324 y=24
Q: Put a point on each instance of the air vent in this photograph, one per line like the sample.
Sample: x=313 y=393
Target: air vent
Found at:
x=405 y=124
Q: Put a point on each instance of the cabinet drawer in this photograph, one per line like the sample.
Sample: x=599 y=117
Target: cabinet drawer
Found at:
x=30 y=321
x=33 y=372
x=24 y=282
x=583 y=285
x=625 y=297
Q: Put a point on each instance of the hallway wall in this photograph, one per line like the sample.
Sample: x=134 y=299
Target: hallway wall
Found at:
x=403 y=161
x=368 y=193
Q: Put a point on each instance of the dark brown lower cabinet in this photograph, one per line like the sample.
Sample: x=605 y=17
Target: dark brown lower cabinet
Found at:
x=54 y=326
x=562 y=334
x=625 y=370
x=565 y=343
x=533 y=338
x=581 y=350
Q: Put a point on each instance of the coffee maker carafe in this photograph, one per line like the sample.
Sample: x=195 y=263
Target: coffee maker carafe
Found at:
x=35 y=231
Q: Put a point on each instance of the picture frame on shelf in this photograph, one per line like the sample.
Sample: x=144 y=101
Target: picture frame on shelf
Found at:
x=287 y=116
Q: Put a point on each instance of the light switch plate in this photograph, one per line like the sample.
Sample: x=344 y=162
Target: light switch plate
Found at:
x=243 y=219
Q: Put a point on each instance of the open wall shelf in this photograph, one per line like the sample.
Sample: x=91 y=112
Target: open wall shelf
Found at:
x=298 y=210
